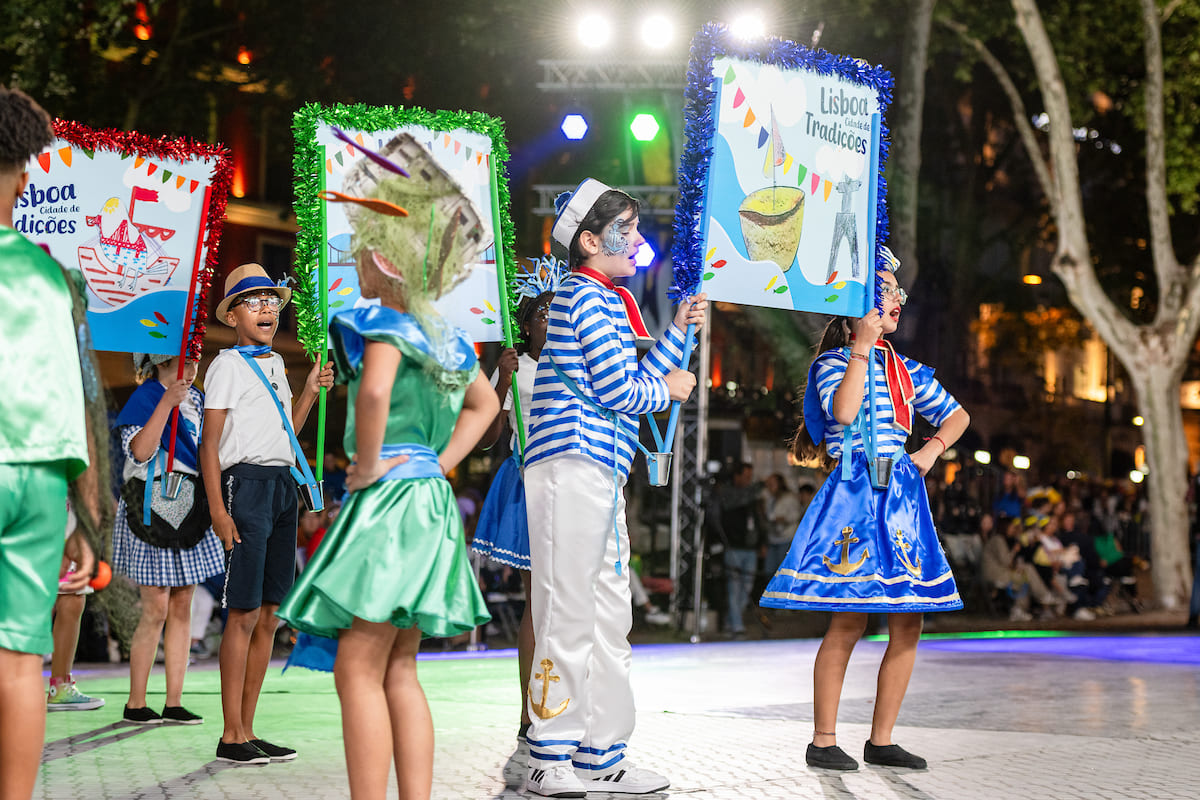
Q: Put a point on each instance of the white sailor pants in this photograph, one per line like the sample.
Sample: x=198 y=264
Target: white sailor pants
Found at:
x=579 y=696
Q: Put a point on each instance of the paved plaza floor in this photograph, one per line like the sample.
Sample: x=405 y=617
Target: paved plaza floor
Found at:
x=998 y=716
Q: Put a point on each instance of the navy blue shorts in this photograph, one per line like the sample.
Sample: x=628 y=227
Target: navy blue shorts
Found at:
x=262 y=501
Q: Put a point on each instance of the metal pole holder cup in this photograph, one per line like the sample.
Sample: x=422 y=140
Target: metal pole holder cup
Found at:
x=659 y=467
x=313 y=495
x=881 y=471
x=172 y=483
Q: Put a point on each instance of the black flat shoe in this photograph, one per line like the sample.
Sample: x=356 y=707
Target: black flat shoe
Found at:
x=831 y=757
x=892 y=755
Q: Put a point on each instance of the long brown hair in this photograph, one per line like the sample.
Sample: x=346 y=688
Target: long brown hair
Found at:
x=807 y=452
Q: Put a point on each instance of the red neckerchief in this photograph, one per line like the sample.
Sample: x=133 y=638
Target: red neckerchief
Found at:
x=900 y=384
x=632 y=312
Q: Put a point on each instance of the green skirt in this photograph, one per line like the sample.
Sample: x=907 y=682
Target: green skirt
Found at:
x=395 y=553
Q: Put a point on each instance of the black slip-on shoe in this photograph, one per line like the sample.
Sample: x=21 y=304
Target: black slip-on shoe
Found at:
x=831 y=757
x=892 y=755
x=180 y=716
x=241 y=753
x=141 y=716
x=274 y=751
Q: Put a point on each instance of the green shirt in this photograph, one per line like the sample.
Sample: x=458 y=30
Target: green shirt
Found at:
x=41 y=406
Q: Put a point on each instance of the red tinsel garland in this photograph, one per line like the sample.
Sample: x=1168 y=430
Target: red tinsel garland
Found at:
x=182 y=149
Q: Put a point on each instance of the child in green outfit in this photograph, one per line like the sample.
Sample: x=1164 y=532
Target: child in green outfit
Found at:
x=43 y=445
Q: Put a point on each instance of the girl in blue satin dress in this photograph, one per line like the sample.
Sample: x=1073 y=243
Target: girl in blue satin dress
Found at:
x=863 y=549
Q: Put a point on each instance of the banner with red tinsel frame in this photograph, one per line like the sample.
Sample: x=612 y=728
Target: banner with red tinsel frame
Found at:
x=141 y=219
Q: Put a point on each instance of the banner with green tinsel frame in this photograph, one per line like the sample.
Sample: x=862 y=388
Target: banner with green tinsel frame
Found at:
x=469 y=146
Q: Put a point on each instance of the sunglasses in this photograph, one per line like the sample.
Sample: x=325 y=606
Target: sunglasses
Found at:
x=255 y=304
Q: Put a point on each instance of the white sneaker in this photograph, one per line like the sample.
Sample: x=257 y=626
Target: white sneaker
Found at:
x=1084 y=615
x=656 y=616
x=556 y=781
x=1019 y=615
x=627 y=779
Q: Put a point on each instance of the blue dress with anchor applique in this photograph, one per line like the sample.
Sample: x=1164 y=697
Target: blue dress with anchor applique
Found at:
x=859 y=548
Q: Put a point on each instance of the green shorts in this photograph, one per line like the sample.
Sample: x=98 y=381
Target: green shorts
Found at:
x=33 y=516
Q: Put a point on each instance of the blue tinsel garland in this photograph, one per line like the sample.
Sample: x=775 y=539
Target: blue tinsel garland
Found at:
x=714 y=41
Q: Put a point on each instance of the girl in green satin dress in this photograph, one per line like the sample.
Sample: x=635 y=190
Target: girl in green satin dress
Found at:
x=393 y=566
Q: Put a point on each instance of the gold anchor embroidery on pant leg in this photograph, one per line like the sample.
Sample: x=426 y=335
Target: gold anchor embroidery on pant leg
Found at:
x=903 y=546
x=546 y=678
x=845 y=567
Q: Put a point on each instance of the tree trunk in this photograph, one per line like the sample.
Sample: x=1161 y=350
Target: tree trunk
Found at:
x=1158 y=388
x=908 y=111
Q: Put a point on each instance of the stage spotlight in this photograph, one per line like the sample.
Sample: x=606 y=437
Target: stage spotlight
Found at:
x=657 y=32
x=574 y=127
x=645 y=255
x=749 y=26
x=594 y=31
x=983 y=457
x=1137 y=476
x=1020 y=462
x=644 y=127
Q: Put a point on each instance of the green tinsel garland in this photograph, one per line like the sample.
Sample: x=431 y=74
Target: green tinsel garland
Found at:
x=308 y=165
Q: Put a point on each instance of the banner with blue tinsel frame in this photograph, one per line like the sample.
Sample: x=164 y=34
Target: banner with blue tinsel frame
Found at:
x=782 y=200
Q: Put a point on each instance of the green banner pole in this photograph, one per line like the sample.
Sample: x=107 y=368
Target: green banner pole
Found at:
x=506 y=321
x=323 y=295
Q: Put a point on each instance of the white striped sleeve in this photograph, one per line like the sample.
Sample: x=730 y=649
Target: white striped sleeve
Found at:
x=616 y=386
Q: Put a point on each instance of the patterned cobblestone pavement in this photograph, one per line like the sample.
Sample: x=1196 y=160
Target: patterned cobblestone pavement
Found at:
x=1059 y=717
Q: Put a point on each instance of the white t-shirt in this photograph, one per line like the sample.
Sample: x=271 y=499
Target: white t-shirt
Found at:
x=523 y=379
x=253 y=431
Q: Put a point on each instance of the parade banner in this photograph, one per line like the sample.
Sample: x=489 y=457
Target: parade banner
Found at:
x=782 y=198
x=468 y=148
x=141 y=219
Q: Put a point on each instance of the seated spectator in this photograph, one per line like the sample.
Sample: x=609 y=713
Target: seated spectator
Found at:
x=1090 y=584
x=1055 y=563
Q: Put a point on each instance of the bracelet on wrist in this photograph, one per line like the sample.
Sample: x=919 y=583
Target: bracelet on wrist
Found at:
x=940 y=441
x=859 y=357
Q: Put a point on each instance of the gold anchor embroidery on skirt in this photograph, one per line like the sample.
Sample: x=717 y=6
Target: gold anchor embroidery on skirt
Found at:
x=546 y=678
x=903 y=546
x=845 y=567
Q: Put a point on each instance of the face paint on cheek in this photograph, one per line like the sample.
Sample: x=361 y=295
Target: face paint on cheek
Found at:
x=614 y=242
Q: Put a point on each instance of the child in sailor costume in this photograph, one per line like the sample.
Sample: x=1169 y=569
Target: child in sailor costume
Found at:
x=502 y=531
x=588 y=393
x=867 y=542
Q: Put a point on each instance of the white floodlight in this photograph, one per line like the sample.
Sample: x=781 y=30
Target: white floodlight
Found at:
x=595 y=31
x=749 y=26
x=1020 y=462
x=657 y=31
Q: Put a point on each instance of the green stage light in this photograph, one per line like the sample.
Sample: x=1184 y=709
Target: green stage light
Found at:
x=644 y=127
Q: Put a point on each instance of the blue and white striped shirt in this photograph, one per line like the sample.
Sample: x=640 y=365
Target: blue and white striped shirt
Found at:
x=932 y=402
x=589 y=338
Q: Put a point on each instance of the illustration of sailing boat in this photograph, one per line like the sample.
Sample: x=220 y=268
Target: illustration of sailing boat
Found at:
x=126 y=259
x=772 y=218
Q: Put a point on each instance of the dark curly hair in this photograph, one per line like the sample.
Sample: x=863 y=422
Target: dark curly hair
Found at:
x=607 y=207
x=25 y=129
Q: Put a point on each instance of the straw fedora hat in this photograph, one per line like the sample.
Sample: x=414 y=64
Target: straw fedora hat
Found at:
x=245 y=279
